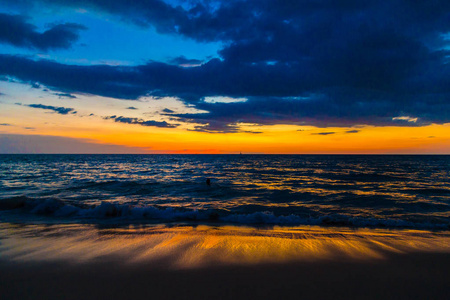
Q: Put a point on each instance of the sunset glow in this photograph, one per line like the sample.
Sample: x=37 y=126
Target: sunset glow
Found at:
x=120 y=81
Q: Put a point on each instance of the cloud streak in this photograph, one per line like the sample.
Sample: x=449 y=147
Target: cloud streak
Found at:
x=137 y=121
x=15 y=30
x=58 y=109
x=352 y=131
x=324 y=133
x=65 y=95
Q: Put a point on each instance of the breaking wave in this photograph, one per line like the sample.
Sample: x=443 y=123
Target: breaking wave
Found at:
x=52 y=208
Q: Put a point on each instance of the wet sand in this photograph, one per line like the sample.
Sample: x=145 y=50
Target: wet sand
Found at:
x=86 y=262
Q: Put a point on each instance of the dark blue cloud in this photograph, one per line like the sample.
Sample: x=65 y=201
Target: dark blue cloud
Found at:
x=15 y=30
x=57 y=109
x=121 y=119
x=352 y=131
x=322 y=63
x=132 y=108
x=276 y=93
x=118 y=82
x=333 y=110
x=245 y=20
x=200 y=20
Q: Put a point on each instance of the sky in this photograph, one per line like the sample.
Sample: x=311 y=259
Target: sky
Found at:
x=250 y=76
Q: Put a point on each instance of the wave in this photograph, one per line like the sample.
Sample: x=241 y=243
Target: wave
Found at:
x=56 y=208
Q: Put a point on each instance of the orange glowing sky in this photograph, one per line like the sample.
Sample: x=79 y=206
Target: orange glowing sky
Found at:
x=283 y=139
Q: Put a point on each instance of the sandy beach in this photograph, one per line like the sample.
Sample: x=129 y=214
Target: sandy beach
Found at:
x=185 y=262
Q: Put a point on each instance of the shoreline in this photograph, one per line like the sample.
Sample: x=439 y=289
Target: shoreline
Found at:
x=226 y=262
x=189 y=246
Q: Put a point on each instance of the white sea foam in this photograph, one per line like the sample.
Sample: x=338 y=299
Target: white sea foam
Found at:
x=129 y=213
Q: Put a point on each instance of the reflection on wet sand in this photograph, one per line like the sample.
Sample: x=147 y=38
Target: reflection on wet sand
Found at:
x=190 y=247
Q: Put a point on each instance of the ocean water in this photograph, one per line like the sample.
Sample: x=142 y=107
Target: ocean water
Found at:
x=392 y=191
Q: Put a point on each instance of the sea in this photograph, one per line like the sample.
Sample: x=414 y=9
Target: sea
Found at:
x=370 y=191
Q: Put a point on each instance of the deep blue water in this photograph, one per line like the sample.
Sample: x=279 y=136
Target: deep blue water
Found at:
x=392 y=191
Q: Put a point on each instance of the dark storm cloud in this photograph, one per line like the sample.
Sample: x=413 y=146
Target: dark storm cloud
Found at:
x=158 y=79
x=244 y=20
x=15 y=30
x=322 y=63
x=318 y=110
x=200 y=20
x=103 y=80
x=272 y=100
x=141 y=122
x=57 y=109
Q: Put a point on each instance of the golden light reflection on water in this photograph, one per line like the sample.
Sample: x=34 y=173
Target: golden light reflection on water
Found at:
x=188 y=247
